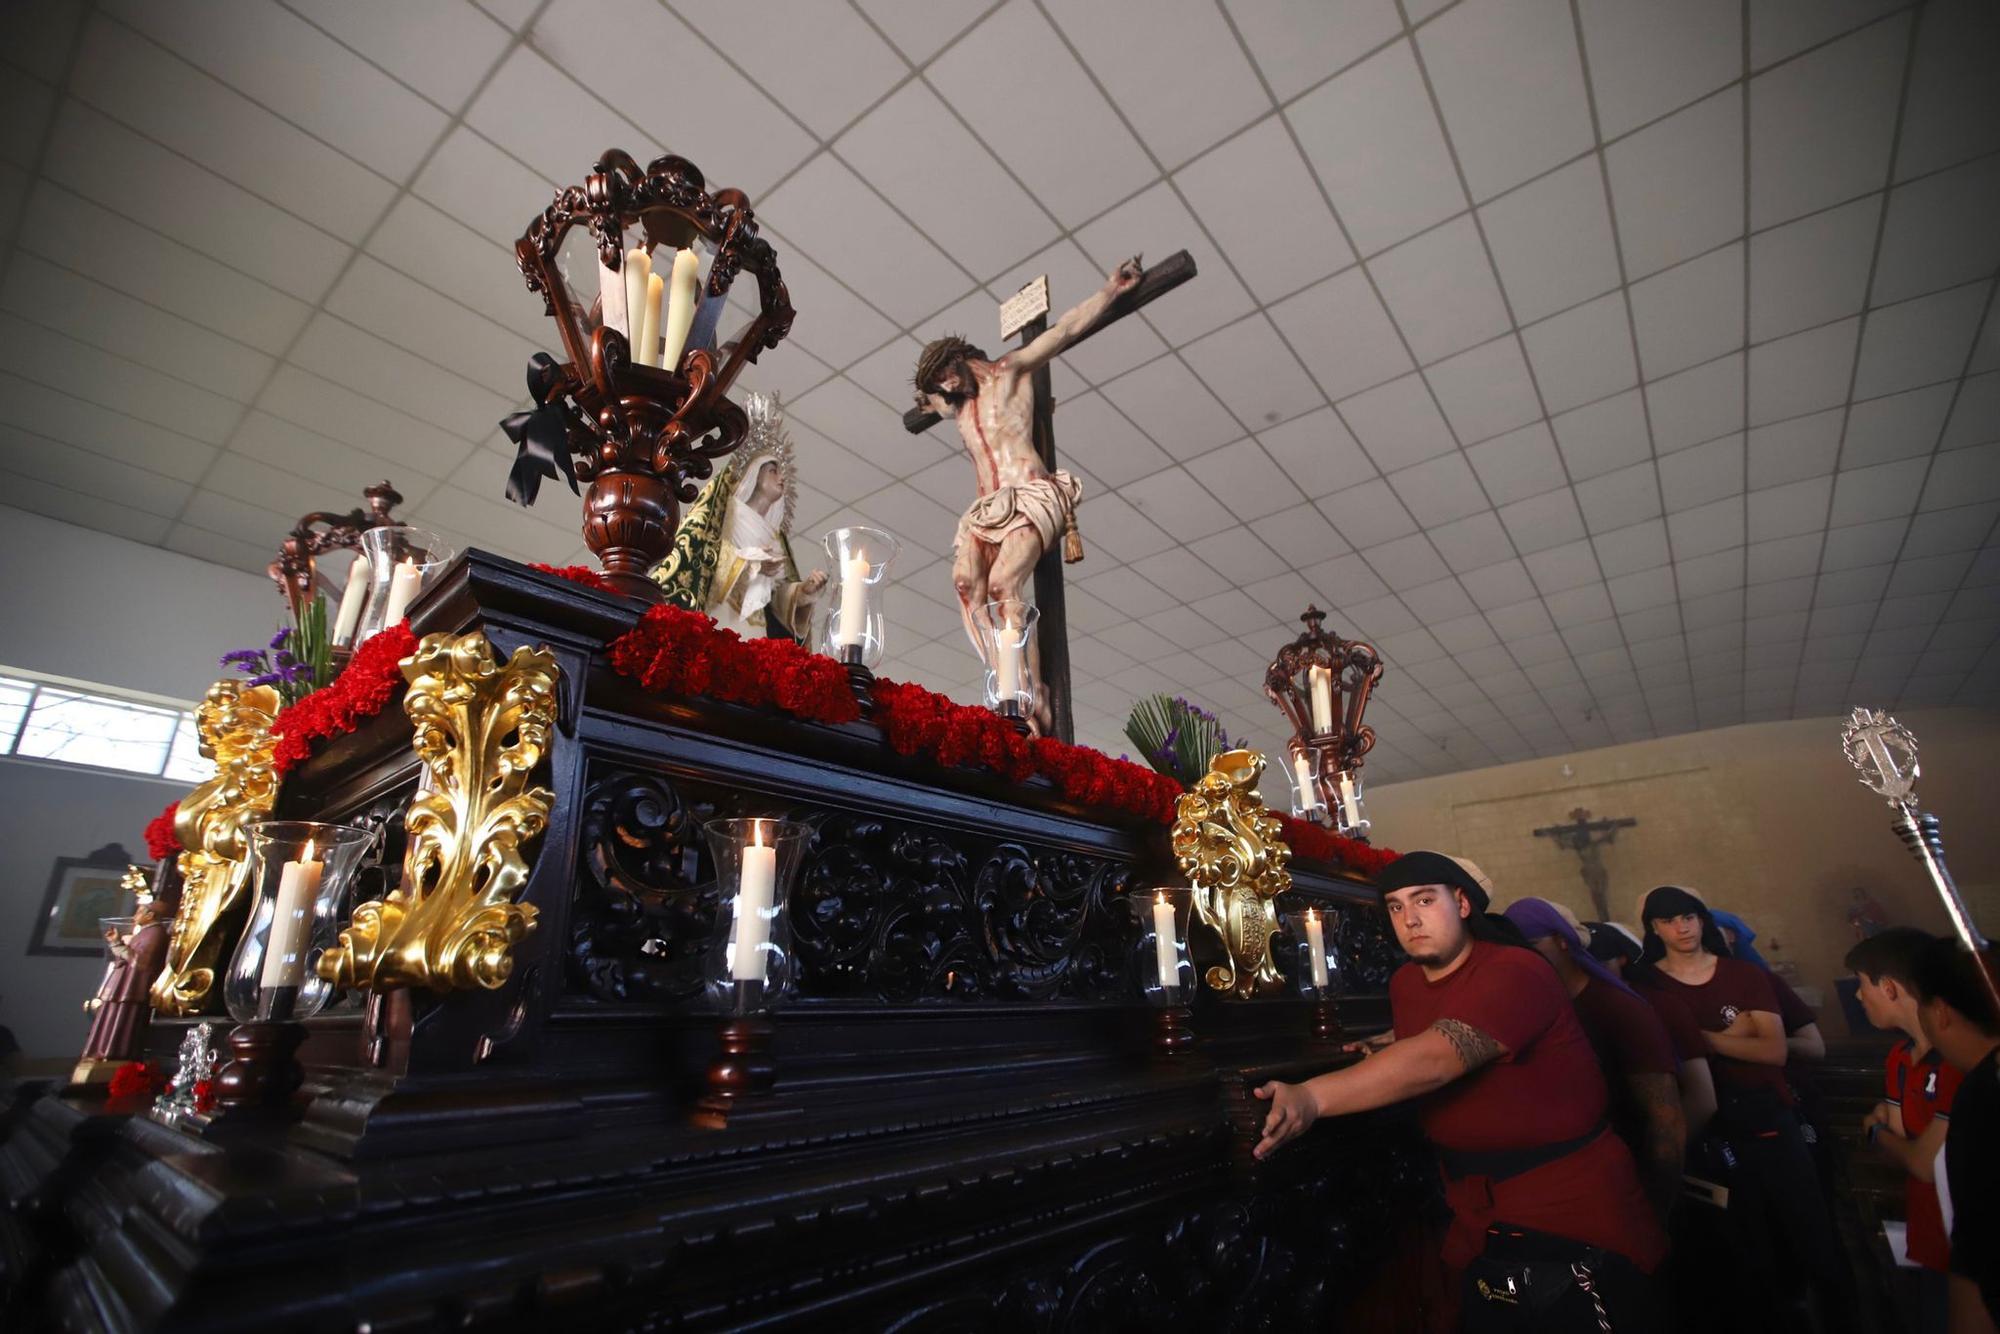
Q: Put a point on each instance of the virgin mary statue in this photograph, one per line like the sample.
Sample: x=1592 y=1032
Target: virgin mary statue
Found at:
x=732 y=555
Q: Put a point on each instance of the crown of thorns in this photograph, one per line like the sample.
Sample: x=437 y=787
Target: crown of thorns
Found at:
x=940 y=353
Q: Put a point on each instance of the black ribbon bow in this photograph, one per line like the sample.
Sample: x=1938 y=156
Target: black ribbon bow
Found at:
x=541 y=437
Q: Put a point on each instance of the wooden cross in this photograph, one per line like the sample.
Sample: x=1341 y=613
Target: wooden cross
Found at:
x=1582 y=836
x=1052 y=634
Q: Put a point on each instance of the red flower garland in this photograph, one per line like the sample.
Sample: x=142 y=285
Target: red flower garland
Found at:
x=1309 y=842
x=130 y=1079
x=372 y=678
x=576 y=574
x=676 y=651
x=160 y=840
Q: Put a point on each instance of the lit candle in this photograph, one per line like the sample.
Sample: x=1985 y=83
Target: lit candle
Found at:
x=1165 y=945
x=351 y=599
x=404 y=585
x=1322 y=699
x=853 y=602
x=1007 y=664
x=1316 y=943
x=1308 y=792
x=291 y=922
x=648 y=353
x=682 y=299
x=753 y=905
x=1350 y=808
x=638 y=266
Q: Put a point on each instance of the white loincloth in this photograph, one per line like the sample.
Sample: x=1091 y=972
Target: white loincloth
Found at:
x=1045 y=504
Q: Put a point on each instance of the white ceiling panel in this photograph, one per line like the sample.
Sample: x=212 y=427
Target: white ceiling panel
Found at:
x=1508 y=79
x=1678 y=184
x=1257 y=198
x=1647 y=60
x=1821 y=126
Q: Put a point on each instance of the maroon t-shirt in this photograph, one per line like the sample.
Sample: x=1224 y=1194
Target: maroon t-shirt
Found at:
x=1735 y=986
x=1629 y=1039
x=1793 y=1013
x=1546 y=1090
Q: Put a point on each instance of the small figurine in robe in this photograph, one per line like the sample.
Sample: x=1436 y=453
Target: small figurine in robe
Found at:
x=122 y=1008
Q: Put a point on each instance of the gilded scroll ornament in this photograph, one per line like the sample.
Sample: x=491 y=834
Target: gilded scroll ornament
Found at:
x=481 y=728
x=212 y=823
x=1232 y=851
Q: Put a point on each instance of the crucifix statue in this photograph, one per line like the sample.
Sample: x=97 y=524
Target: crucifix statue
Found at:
x=1586 y=838
x=1005 y=411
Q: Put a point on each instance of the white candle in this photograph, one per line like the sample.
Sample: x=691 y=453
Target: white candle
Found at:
x=291 y=921
x=649 y=324
x=1007 y=665
x=1349 y=806
x=638 y=267
x=1316 y=942
x=681 y=303
x=1322 y=699
x=351 y=599
x=1308 y=793
x=404 y=585
x=853 y=601
x=753 y=907
x=1165 y=946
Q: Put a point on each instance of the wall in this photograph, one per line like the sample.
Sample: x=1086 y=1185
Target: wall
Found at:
x=1767 y=820
x=86 y=605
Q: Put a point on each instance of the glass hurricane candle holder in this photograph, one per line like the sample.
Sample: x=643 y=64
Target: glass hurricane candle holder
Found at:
x=1166 y=973
x=1345 y=803
x=402 y=562
x=299 y=873
x=1316 y=972
x=1006 y=629
x=750 y=962
x=1308 y=801
x=854 y=629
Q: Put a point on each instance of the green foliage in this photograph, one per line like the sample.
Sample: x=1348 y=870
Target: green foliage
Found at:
x=1175 y=737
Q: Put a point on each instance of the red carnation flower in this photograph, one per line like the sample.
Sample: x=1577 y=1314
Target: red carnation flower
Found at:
x=160 y=840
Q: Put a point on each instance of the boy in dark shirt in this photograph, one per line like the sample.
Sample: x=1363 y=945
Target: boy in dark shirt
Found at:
x=1958 y=1015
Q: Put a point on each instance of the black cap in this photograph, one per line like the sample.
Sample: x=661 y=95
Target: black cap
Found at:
x=1432 y=868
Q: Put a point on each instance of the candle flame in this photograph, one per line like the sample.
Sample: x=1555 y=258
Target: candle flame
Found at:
x=1160 y=898
x=1311 y=916
x=756 y=833
x=306 y=853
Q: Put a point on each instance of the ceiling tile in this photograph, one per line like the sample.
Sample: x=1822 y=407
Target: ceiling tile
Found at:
x=441 y=50
x=1440 y=601
x=1700 y=576
x=1570 y=565
x=1952 y=109
x=1398 y=423
x=1157 y=223
x=1625 y=550
x=1188 y=44
x=1066 y=142
x=1789 y=510
x=1821 y=126
x=1643 y=590
x=1243 y=477
x=483 y=188
x=539 y=113
x=1696 y=405
x=1677 y=185
x=1964 y=528
x=1367 y=514
x=1703 y=474
x=426 y=324
x=1122 y=531
x=1472 y=544
x=1605 y=436
x=1851 y=588
x=1711 y=527
x=1440 y=290
x=1487 y=390
x=1254 y=374
x=1097 y=435
x=1378 y=149
x=823 y=61
x=1617 y=500
x=1919 y=341
x=1863 y=544
x=1791 y=451
x=1172 y=407
x=1519 y=464
x=1975 y=417
x=1318 y=453
x=1780 y=28
x=1260 y=203
x=1646 y=60
x=1963 y=477
x=1690 y=313
x=1552 y=242
x=1342 y=333
x=1440 y=490
x=1813 y=270
x=1509 y=82
x=1928 y=574
x=1175 y=501
x=1580 y=606
x=1582 y=354
x=1407 y=562
x=928 y=165
x=1521 y=621
x=1238 y=555
x=1802 y=373
x=1182 y=573
x=1298 y=45
x=847 y=229
x=1543 y=521
x=921 y=28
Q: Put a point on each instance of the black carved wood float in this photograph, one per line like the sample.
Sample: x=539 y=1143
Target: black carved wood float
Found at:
x=972 y=1128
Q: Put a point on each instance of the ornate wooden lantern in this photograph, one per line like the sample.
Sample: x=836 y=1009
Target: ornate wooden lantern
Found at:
x=296 y=570
x=640 y=409
x=1321 y=683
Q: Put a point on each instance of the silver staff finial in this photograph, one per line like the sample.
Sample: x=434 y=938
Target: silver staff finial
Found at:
x=1884 y=752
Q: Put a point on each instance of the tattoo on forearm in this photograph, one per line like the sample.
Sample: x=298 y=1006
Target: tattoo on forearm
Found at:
x=1474 y=1048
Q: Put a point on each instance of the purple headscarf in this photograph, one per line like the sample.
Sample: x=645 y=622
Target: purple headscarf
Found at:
x=1539 y=917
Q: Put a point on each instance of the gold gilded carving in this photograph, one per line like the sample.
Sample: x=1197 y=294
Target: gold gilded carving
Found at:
x=213 y=824
x=1232 y=851
x=481 y=728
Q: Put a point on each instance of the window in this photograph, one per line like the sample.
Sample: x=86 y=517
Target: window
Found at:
x=71 y=724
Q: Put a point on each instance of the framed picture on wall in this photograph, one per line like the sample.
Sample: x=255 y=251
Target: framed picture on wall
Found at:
x=82 y=890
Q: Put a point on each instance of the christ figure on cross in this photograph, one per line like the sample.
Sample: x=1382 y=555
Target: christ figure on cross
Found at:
x=1022 y=506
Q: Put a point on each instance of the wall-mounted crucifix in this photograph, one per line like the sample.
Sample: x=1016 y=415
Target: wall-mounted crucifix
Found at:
x=1005 y=414
x=1586 y=838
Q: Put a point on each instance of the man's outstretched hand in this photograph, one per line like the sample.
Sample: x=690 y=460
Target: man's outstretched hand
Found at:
x=1293 y=1111
x=1126 y=276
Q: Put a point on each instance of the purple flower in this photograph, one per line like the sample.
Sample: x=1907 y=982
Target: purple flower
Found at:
x=266 y=679
x=278 y=640
x=242 y=657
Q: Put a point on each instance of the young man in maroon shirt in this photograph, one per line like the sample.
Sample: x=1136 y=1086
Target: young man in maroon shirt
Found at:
x=1959 y=1017
x=1550 y=1225
x=1775 y=1203
x=1908 y=1126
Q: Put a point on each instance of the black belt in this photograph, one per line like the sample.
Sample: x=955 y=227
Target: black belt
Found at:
x=1499 y=1164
